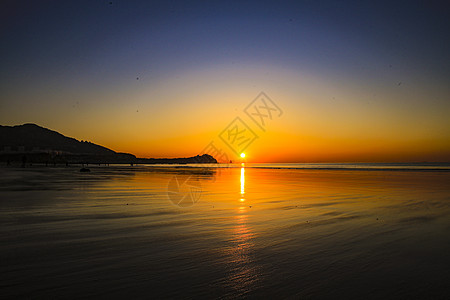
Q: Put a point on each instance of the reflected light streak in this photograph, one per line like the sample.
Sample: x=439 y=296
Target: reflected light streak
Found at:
x=242 y=182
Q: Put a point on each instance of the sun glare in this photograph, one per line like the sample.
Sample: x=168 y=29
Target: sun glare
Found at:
x=242 y=155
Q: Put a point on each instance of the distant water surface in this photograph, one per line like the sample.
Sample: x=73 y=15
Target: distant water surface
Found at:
x=263 y=230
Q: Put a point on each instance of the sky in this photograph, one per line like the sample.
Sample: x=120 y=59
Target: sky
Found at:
x=355 y=81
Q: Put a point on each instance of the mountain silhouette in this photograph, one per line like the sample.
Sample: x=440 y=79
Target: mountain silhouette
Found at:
x=30 y=143
x=36 y=138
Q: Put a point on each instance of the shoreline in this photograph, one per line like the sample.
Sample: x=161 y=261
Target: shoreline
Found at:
x=419 y=167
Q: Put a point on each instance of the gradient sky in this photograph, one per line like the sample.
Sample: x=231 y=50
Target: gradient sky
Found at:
x=358 y=81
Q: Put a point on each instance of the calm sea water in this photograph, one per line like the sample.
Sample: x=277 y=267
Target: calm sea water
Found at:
x=272 y=231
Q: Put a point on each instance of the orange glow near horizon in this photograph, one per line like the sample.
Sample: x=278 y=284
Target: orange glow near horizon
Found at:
x=313 y=128
x=398 y=125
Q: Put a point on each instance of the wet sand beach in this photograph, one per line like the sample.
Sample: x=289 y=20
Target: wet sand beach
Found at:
x=167 y=232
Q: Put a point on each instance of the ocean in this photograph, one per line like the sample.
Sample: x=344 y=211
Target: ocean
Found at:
x=308 y=231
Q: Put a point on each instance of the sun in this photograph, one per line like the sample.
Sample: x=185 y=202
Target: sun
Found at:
x=242 y=155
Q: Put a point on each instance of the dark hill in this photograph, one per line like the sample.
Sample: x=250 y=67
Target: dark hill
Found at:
x=35 y=138
x=30 y=143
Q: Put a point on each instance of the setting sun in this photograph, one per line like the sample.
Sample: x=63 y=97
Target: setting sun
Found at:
x=242 y=155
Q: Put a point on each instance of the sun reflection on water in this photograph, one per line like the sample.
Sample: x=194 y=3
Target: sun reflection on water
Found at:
x=245 y=272
x=242 y=184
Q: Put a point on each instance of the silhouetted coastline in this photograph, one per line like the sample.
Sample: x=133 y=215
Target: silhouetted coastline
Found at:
x=32 y=144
